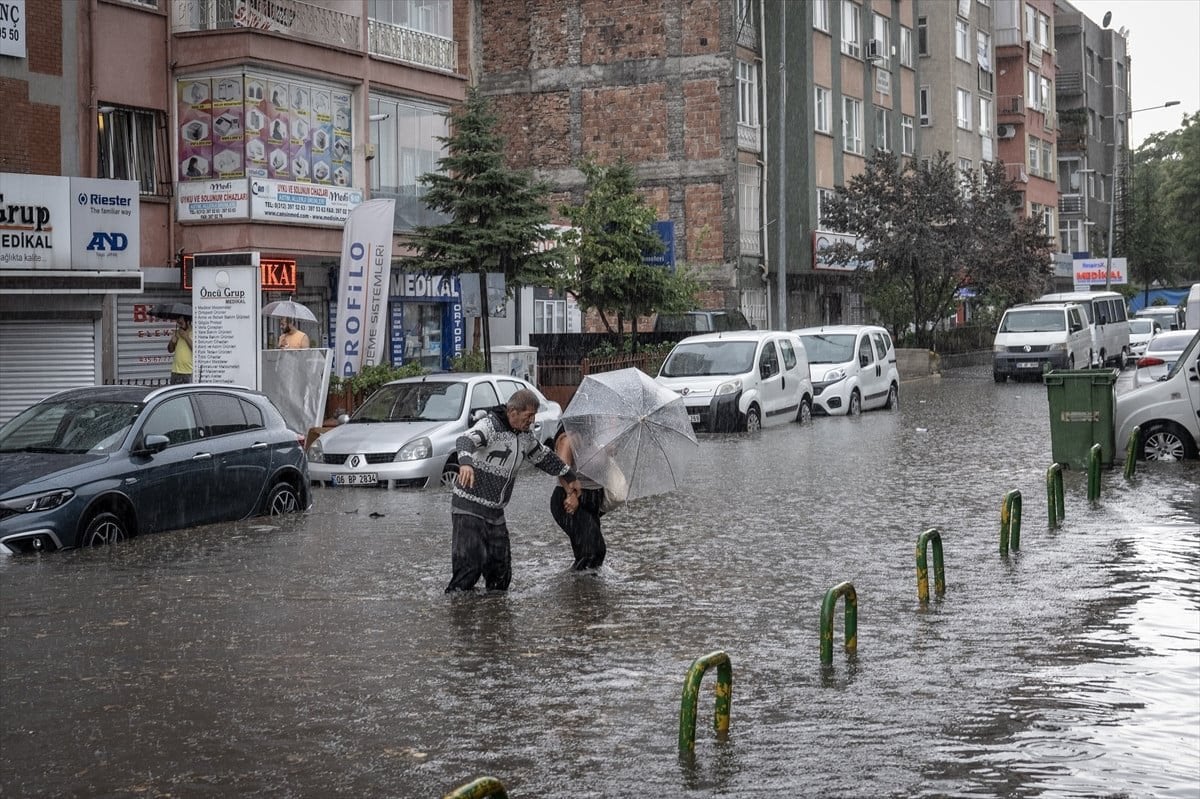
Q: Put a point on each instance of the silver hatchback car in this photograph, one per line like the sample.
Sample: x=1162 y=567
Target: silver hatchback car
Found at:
x=404 y=435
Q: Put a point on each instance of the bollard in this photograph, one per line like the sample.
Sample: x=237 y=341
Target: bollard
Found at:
x=1010 y=521
x=691 y=695
x=851 y=630
x=939 y=571
x=479 y=789
x=1094 y=473
x=1054 y=495
x=1131 y=448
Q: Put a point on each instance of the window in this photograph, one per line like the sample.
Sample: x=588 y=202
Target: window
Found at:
x=1048 y=159
x=131 y=147
x=986 y=126
x=983 y=56
x=824 y=198
x=1120 y=82
x=851 y=36
x=962 y=39
x=407 y=147
x=483 y=396
x=789 y=354
x=1030 y=23
x=922 y=36
x=224 y=414
x=962 y=108
x=1091 y=122
x=883 y=129
x=908 y=136
x=822 y=110
x=1032 y=90
x=906 y=46
x=549 y=316
x=1043 y=36
x=428 y=16
x=924 y=100
x=1070 y=235
x=174 y=419
x=852 y=140
x=1089 y=63
x=1035 y=156
x=747 y=93
x=1045 y=94
x=768 y=362
x=750 y=208
x=821 y=15
x=883 y=37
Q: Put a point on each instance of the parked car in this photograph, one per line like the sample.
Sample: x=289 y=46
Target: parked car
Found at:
x=692 y=322
x=403 y=435
x=1140 y=333
x=1161 y=354
x=1169 y=317
x=741 y=380
x=1107 y=318
x=1167 y=411
x=853 y=368
x=1033 y=339
x=96 y=465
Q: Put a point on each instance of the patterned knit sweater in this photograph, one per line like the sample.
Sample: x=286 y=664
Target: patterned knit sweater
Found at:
x=495 y=450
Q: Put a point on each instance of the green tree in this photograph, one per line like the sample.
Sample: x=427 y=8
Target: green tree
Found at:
x=1181 y=195
x=498 y=219
x=612 y=233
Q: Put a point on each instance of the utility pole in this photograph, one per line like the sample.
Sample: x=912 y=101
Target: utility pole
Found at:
x=781 y=259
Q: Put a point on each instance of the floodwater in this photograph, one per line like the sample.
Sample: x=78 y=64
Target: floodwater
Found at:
x=318 y=656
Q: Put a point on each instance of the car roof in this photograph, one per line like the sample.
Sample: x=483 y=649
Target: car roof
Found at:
x=733 y=335
x=1077 y=296
x=1167 y=338
x=454 y=377
x=1041 y=306
x=810 y=331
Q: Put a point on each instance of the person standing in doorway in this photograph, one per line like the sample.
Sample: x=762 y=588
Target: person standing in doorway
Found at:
x=489 y=457
x=291 y=337
x=180 y=346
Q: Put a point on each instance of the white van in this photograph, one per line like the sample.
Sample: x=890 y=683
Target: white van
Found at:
x=1107 y=318
x=1038 y=337
x=853 y=368
x=740 y=380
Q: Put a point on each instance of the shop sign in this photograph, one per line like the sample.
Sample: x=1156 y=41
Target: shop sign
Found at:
x=312 y=203
x=823 y=240
x=275 y=274
x=423 y=285
x=213 y=200
x=1092 y=271
x=51 y=222
x=12 y=28
x=226 y=323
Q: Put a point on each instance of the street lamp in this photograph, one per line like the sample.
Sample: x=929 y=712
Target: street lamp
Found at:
x=1112 y=193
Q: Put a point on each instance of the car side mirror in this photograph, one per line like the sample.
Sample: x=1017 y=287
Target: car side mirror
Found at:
x=863 y=360
x=153 y=444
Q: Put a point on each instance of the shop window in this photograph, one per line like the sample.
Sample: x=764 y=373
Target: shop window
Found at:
x=132 y=146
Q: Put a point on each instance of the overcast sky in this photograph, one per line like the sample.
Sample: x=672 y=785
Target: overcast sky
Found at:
x=1164 y=48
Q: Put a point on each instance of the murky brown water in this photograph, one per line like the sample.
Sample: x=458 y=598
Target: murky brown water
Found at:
x=319 y=658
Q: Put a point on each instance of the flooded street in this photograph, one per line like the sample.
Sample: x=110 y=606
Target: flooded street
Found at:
x=318 y=656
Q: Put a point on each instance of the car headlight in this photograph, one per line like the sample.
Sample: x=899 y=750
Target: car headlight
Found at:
x=316 y=450
x=1059 y=347
x=416 y=450
x=834 y=375
x=999 y=348
x=33 y=503
x=728 y=387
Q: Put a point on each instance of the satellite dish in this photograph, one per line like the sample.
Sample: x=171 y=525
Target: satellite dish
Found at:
x=1123 y=31
x=1107 y=18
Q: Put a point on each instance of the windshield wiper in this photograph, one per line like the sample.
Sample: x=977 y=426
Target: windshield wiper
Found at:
x=54 y=450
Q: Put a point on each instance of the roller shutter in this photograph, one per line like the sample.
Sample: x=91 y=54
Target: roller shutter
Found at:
x=38 y=358
x=142 y=339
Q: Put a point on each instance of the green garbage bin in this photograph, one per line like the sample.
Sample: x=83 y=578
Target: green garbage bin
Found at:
x=1081 y=414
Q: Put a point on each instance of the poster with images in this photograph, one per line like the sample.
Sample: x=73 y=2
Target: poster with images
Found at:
x=256 y=126
x=195 y=129
x=301 y=132
x=342 y=148
x=228 y=128
x=278 y=139
x=320 y=146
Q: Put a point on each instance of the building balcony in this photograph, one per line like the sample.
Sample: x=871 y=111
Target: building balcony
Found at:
x=1009 y=106
x=292 y=18
x=749 y=138
x=1016 y=173
x=1071 y=204
x=1069 y=83
x=413 y=46
x=750 y=242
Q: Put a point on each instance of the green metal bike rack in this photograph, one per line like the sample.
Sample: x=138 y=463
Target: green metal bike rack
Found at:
x=851 y=631
x=479 y=789
x=1010 y=521
x=1055 y=508
x=1135 y=435
x=691 y=696
x=939 y=570
x=1094 y=473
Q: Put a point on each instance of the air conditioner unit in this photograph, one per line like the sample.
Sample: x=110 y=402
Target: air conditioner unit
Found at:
x=874 y=49
x=1006 y=131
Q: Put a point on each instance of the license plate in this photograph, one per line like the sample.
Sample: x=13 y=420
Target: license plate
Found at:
x=1027 y=364
x=356 y=479
x=694 y=418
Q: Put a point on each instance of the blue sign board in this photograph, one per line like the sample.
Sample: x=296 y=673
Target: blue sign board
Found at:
x=665 y=230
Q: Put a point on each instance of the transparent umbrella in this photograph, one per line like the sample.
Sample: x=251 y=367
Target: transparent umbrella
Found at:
x=629 y=434
x=289 y=309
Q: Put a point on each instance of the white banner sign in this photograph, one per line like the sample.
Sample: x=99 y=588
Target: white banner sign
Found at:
x=1091 y=272
x=363 y=286
x=302 y=202
x=12 y=28
x=208 y=200
x=226 y=324
x=105 y=231
x=823 y=240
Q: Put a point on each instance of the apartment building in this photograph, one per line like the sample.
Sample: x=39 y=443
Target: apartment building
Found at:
x=213 y=126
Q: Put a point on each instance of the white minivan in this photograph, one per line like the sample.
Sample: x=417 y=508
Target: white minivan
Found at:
x=1107 y=318
x=853 y=368
x=740 y=380
x=1038 y=337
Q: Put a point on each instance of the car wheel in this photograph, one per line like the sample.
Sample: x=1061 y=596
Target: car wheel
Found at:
x=1163 y=441
x=805 y=415
x=282 y=499
x=449 y=474
x=104 y=528
x=999 y=377
x=893 y=400
x=855 y=406
x=753 y=419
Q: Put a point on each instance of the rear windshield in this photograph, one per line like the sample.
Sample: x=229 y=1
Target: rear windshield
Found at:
x=1033 y=321
x=710 y=358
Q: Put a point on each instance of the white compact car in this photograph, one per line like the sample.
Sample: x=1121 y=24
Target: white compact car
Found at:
x=1167 y=411
x=404 y=435
x=1140 y=333
x=740 y=380
x=853 y=368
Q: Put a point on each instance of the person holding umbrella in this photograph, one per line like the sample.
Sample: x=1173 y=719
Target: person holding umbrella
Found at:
x=180 y=346
x=578 y=512
x=291 y=337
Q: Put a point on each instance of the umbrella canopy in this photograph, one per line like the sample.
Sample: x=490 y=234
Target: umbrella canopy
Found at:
x=289 y=309
x=630 y=434
x=172 y=310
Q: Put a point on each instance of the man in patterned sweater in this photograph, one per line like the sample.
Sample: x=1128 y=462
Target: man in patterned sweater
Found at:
x=484 y=486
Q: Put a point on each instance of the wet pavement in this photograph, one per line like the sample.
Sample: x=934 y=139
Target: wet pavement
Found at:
x=318 y=656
